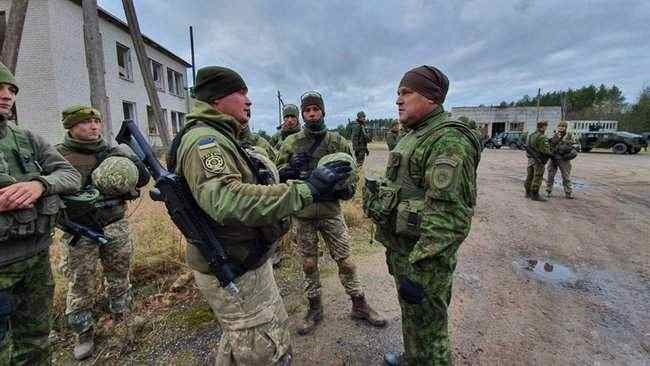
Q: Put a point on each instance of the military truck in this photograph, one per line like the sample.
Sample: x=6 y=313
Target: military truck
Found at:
x=515 y=140
x=620 y=142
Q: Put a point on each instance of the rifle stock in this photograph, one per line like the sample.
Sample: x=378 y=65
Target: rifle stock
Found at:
x=77 y=231
x=181 y=206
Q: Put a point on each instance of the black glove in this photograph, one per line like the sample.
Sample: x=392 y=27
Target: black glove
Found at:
x=299 y=160
x=346 y=193
x=287 y=173
x=410 y=291
x=322 y=179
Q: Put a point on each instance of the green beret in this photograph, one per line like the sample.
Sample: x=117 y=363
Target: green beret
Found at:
x=214 y=82
x=77 y=113
x=7 y=77
x=290 y=110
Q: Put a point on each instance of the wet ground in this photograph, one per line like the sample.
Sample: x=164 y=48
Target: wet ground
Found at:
x=562 y=282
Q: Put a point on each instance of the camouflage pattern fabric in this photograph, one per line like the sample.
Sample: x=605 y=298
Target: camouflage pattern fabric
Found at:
x=80 y=267
x=254 y=321
x=115 y=176
x=31 y=286
x=337 y=239
x=424 y=326
x=534 y=175
x=391 y=139
x=565 y=170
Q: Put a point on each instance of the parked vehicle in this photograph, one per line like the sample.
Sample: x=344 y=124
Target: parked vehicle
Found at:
x=620 y=142
x=515 y=140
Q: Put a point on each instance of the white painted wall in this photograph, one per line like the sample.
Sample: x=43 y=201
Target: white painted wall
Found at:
x=52 y=71
x=527 y=115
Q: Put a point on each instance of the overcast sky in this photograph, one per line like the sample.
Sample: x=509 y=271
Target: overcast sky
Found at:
x=355 y=52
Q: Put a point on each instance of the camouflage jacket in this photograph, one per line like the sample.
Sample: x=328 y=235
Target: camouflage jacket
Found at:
x=430 y=190
x=558 y=141
x=225 y=186
x=359 y=136
x=301 y=142
x=538 y=142
x=277 y=139
x=259 y=143
x=392 y=138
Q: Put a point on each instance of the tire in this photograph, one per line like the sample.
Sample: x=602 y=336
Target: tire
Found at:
x=619 y=148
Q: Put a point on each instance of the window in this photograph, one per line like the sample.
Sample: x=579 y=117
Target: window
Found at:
x=128 y=110
x=125 y=70
x=178 y=121
x=175 y=84
x=151 y=120
x=516 y=126
x=157 y=74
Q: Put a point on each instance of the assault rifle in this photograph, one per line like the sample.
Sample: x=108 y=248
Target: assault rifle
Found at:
x=78 y=230
x=181 y=206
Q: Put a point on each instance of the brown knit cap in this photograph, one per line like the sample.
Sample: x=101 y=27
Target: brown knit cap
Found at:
x=427 y=81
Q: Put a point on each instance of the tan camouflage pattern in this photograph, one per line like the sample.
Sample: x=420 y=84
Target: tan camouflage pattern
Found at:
x=115 y=176
x=31 y=286
x=337 y=239
x=254 y=322
x=565 y=170
x=80 y=267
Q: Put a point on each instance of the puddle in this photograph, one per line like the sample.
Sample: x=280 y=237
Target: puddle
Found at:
x=578 y=184
x=547 y=271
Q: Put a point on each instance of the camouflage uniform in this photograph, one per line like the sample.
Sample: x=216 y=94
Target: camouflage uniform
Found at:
x=247 y=213
x=360 y=139
x=80 y=261
x=535 y=170
x=423 y=209
x=392 y=138
x=278 y=138
x=557 y=143
x=257 y=142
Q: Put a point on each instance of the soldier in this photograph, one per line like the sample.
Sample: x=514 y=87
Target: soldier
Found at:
x=561 y=147
x=298 y=157
x=290 y=125
x=423 y=209
x=32 y=175
x=253 y=140
x=393 y=136
x=224 y=180
x=537 y=151
x=360 y=138
x=85 y=148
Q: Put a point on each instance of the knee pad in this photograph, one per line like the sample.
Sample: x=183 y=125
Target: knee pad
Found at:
x=309 y=265
x=346 y=266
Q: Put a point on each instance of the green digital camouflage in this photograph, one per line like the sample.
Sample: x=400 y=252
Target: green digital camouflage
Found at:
x=392 y=137
x=538 y=142
x=423 y=208
x=115 y=176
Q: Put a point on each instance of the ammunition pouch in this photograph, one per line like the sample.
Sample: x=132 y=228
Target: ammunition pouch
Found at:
x=6 y=308
x=408 y=218
x=30 y=222
x=379 y=200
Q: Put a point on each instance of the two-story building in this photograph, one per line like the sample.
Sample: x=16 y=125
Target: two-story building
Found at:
x=52 y=72
x=494 y=120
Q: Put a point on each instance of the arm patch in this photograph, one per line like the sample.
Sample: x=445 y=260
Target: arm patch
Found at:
x=443 y=173
x=211 y=156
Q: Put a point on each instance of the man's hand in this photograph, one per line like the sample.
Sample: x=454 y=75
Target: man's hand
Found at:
x=322 y=180
x=299 y=160
x=21 y=195
x=411 y=291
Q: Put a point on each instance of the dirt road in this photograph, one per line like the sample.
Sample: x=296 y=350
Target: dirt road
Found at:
x=563 y=282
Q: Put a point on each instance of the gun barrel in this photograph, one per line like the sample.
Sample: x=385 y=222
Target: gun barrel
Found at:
x=130 y=135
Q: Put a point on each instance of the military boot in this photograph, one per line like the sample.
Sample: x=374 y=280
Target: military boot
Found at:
x=568 y=195
x=548 y=194
x=313 y=317
x=394 y=359
x=361 y=310
x=85 y=345
x=536 y=197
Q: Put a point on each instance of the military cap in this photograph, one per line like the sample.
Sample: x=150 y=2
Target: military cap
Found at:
x=312 y=98
x=361 y=114
x=563 y=124
x=214 y=82
x=542 y=123
x=290 y=110
x=115 y=176
x=7 y=77
x=77 y=113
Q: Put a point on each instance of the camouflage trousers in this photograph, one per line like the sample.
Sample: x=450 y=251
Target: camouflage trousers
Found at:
x=565 y=170
x=337 y=239
x=534 y=176
x=424 y=326
x=80 y=267
x=28 y=287
x=360 y=156
x=254 y=321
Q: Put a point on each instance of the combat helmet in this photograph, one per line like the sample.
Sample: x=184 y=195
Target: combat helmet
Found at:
x=115 y=176
x=351 y=181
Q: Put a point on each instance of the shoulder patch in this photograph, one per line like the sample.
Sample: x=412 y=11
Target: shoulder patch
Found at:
x=213 y=161
x=444 y=172
x=206 y=143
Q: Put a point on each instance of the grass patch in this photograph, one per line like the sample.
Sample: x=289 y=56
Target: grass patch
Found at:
x=192 y=317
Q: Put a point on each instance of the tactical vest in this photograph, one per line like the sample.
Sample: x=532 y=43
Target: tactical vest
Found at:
x=396 y=204
x=103 y=212
x=18 y=160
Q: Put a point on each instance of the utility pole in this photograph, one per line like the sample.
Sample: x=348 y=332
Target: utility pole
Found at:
x=539 y=97
x=145 y=70
x=280 y=106
x=95 y=65
x=192 y=50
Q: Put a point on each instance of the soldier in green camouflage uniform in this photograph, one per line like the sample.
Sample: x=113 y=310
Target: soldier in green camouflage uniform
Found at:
x=393 y=135
x=290 y=125
x=423 y=209
x=85 y=148
x=32 y=175
x=360 y=138
x=255 y=141
x=298 y=156
x=561 y=146
x=538 y=152
x=247 y=209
